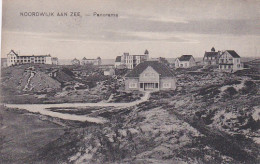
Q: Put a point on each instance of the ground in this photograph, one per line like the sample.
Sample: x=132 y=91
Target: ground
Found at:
x=212 y=117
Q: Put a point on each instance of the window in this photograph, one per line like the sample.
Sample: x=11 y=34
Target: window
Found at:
x=166 y=85
x=156 y=85
x=141 y=85
x=133 y=85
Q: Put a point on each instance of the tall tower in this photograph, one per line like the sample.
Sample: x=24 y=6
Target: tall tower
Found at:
x=146 y=53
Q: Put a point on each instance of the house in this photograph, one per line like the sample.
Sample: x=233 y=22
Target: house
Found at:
x=54 y=61
x=150 y=75
x=229 y=60
x=185 y=61
x=130 y=61
x=14 y=59
x=77 y=72
x=53 y=73
x=211 y=58
x=105 y=67
x=86 y=61
x=109 y=72
x=75 y=62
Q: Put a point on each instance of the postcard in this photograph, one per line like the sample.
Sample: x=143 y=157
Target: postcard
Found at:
x=130 y=81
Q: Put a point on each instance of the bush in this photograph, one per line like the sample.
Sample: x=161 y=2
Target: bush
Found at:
x=231 y=91
x=250 y=87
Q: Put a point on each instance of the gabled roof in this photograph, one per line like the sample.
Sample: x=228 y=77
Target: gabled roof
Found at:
x=211 y=54
x=84 y=58
x=160 y=68
x=185 y=58
x=12 y=51
x=75 y=59
x=233 y=53
x=118 y=59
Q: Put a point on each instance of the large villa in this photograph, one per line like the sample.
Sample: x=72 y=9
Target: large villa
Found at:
x=150 y=75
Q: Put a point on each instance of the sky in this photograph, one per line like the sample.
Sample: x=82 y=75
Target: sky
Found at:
x=168 y=28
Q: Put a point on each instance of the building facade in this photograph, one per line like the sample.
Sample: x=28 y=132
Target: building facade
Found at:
x=185 y=61
x=86 y=61
x=229 y=60
x=118 y=62
x=150 y=76
x=109 y=72
x=14 y=59
x=211 y=58
x=55 y=61
x=131 y=61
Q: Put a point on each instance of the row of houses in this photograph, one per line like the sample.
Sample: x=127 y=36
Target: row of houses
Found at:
x=226 y=60
x=13 y=58
x=86 y=61
x=156 y=75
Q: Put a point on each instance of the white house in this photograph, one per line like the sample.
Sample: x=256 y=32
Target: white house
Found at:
x=185 y=61
x=229 y=60
x=150 y=75
x=109 y=72
x=14 y=59
x=75 y=62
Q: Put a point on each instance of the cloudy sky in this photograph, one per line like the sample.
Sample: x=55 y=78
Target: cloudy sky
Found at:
x=167 y=29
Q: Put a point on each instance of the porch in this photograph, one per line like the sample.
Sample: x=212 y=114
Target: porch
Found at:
x=149 y=86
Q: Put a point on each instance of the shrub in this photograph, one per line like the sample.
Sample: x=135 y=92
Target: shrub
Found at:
x=231 y=91
x=250 y=87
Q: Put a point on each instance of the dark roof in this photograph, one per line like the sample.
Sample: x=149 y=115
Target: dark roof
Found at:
x=28 y=55
x=160 y=68
x=84 y=58
x=233 y=53
x=146 y=52
x=118 y=59
x=12 y=51
x=75 y=59
x=211 y=54
x=185 y=57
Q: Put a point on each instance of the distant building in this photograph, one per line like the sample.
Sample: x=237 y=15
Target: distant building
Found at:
x=130 y=61
x=109 y=72
x=185 y=61
x=211 y=58
x=86 y=61
x=55 y=61
x=53 y=73
x=75 y=62
x=229 y=60
x=150 y=75
x=105 y=67
x=14 y=59
x=118 y=61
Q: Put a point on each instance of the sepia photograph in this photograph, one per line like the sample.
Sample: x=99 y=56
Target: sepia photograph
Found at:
x=130 y=82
